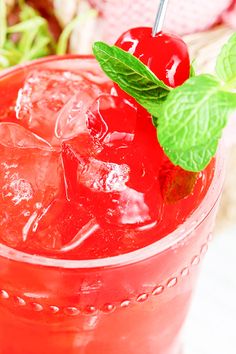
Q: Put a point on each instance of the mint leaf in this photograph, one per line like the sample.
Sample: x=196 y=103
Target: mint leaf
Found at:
x=226 y=62
x=132 y=76
x=191 y=121
x=194 y=159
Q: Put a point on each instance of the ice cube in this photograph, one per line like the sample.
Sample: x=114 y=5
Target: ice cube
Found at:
x=71 y=119
x=92 y=173
x=130 y=207
x=74 y=152
x=117 y=193
x=61 y=227
x=100 y=176
x=18 y=189
x=13 y=135
x=112 y=120
x=44 y=93
x=30 y=178
x=110 y=170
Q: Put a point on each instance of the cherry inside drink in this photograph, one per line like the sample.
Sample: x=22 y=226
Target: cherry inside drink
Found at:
x=101 y=235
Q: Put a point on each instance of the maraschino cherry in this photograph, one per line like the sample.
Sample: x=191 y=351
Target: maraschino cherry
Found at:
x=165 y=54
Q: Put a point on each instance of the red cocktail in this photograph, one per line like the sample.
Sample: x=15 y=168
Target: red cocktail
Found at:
x=100 y=236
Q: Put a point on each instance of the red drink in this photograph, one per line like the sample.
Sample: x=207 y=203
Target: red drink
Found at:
x=100 y=236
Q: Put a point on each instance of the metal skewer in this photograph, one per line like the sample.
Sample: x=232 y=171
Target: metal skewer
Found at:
x=160 y=17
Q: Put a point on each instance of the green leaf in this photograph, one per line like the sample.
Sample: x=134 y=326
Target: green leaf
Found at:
x=192 y=119
x=226 y=62
x=132 y=76
x=196 y=158
x=3 y=23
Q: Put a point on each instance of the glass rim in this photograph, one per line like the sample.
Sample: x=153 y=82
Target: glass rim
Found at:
x=173 y=238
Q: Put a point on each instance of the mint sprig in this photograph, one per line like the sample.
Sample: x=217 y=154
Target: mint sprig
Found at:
x=194 y=115
x=190 y=118
x=132 y=76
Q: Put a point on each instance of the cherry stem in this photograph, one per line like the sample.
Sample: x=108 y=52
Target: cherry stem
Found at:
x=160 y=17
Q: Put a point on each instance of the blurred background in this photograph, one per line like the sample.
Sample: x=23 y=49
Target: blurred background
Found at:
x=40 y=28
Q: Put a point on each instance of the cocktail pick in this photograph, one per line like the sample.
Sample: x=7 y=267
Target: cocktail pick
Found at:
x=160 y=17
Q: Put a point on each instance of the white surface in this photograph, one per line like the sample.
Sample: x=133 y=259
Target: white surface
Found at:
x=211 y=325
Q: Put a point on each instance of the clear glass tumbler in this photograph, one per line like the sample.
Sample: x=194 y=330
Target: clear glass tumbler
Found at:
x=134 y=303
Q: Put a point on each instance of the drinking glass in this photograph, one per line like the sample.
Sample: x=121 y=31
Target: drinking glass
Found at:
x=133 y=303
